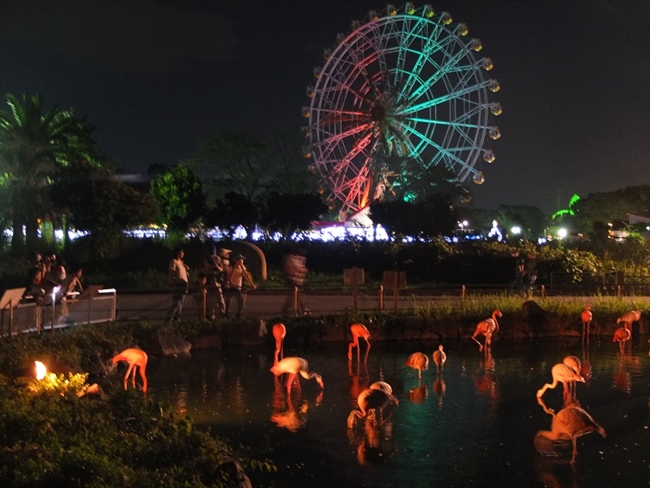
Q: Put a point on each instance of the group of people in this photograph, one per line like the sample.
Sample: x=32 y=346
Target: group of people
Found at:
x=49 y=282
x=219 y=286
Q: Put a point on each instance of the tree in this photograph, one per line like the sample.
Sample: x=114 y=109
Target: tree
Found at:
x=292 y=212
x=530 y=219
x=232 y=211
x=95 y=200
x=180 y=198
x=33 y=145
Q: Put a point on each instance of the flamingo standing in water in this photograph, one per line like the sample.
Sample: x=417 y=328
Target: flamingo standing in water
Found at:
x=622 y=335
x=629 y=317
x=572 y=422
x=295 y=366
x=279 y=332
x=137 y=361
x=383 y=386
x=561 y=373
x=418 y=361
x=358 y=331
x=573 y=363
x=439 y=358
x=487 y=327
x=586 y=317
x=370 y=400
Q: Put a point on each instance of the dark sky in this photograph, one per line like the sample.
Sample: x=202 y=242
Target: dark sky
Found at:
x=155 y=77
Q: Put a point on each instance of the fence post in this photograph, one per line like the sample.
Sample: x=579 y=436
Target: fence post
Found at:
x=462 y=292
x=543 y=289
x=381 y=297
x=618 y=291
x=295 y=301
x=204 y=303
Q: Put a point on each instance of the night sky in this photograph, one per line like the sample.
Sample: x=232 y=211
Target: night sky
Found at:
x=156 y=77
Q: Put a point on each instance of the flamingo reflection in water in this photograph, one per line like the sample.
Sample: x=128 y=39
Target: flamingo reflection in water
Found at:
x=561 y=373
x=359 y=331
x=290 y=418
x=439 y=388
x=487 y=327
x=295 y=366
x=568 y=424
x=369 y=401
x=419 y=361
x=279 y=333
x=375 y=443
x=418 y=394
x=485 y=381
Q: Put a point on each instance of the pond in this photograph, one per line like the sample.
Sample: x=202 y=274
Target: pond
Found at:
x=473 y=424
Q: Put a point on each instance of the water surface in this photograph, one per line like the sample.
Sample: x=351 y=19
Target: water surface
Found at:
x=474 y=424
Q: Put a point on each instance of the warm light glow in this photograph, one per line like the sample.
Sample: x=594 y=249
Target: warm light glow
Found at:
x=562 y=233
x=41 y=370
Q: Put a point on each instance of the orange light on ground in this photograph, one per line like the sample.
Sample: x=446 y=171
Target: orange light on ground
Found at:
x=41 y=370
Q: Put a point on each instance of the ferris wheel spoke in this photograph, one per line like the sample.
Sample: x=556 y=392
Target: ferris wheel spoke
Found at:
x=459 y=94
x=446 y=152
x=335 y=141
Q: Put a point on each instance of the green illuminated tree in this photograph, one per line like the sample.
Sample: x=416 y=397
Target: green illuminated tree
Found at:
x=180 y=198
x=34 y=143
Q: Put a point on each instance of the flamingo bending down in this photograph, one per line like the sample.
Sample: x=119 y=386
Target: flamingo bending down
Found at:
x=439 y=358
x=572 y=422
x=561 y=373
x=137 y=360
x=295 y=366
x=586 y=317
x=368 y=400
x=487 y=327
x=573 y=363
x=628 y=317
x=622 y=335
x=279 y=332
x=383 y=386
x=418 y=361
x=358 y=331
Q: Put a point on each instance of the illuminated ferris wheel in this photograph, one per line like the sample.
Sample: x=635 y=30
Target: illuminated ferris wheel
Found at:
x=405 y=86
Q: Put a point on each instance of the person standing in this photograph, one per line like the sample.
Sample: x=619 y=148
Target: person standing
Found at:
x=71 y=284
x=235 y=281
x=179 y=279
x=212 y=268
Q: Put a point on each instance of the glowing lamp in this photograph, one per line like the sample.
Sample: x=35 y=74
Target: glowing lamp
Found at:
x=310 y=91
x=496 y=109
x=476 y=45
x=495 y=133
x=478 y=178
x=428 y=11
x=494 y=86
x=446 y=18
x=488 y=156
x=562 y=233
x=409 y=8
x=487 y=64
x=41 y=370
x=305 y=112
x=516 y=230
x=461 y=30
x=391 y=10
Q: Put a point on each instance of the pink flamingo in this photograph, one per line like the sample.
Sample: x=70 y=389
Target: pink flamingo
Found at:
x=586 y=317
x=573 y=363
x=370 y=400
x=358 y=331
x=439 y=358
x=629 y=317
x=279 y=332
x=295 y=366
x=487 y=327
x=622 y=335
x=137 y=361
x=418 y=361
x=561 y=373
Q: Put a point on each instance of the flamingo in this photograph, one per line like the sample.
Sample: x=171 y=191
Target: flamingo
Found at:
x=279 y=332
x=418 y=361
x=383 y=386
x=573 y=363
x=487 y=327
x=572 y=422
x=629 y=318
x=295 y=366
x=622 y=335
x=368 y=400
x=358 y=331
x=586 y=317
x=439 y=358
x=561 y=373
x=137 y=360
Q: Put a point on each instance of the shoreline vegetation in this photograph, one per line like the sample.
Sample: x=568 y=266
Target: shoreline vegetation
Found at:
x=52 y=436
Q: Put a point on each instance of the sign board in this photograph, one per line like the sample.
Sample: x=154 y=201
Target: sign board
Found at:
x=394 y=280
x=353 y=276
x=11 y=298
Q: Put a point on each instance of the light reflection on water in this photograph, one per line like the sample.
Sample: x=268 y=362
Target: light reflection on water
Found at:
x=474 y=424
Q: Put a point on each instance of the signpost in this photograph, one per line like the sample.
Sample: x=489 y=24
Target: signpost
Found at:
x=354 y=277
x=395 y=280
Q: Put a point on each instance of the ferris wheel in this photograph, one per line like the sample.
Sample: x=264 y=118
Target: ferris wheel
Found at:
x=406 y=86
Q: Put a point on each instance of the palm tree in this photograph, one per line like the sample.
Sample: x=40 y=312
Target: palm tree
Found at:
x=33 y=144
